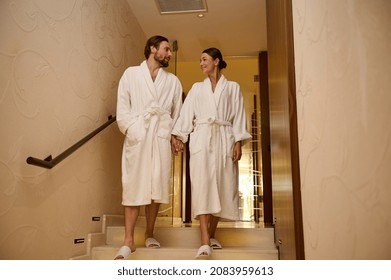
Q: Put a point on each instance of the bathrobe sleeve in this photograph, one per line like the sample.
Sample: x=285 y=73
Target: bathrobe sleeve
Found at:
x=239 y=125
x=184 y=125
x=124 y=119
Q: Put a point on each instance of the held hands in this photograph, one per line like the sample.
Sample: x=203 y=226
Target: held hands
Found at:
x=176 y=145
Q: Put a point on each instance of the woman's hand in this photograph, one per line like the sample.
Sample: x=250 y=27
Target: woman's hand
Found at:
x=237 y=151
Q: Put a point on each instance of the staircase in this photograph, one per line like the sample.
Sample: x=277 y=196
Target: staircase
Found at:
x=180 y=242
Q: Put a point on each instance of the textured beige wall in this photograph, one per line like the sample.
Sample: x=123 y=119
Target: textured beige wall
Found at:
x=60 y=66
x=343 y=67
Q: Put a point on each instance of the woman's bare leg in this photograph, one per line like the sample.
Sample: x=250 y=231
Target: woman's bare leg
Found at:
x=213 y=221
x=204 y=221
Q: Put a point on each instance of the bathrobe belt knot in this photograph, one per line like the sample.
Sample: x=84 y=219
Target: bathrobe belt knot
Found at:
x=161 y=119
x=214 y=127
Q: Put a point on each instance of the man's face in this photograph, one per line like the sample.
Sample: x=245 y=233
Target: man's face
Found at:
x=163 y=54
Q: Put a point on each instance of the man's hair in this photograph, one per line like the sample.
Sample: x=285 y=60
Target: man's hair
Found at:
x=155 y=42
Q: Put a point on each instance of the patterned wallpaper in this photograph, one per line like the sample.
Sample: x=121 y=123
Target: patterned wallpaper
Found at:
x=343 y=66
x=60 y=66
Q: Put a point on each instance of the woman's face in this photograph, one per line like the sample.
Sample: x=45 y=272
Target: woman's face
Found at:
x=207 y=64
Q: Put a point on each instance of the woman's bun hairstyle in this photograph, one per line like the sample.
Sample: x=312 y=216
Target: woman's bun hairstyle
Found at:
x=215 y=53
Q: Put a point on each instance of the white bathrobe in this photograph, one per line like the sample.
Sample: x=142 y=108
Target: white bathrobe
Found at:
x=146 y=113
x=214 y=121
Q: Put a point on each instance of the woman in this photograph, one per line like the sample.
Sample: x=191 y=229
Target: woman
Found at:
x=213 y=115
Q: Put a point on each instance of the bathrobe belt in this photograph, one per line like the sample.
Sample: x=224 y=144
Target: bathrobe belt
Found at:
x=161 y=120
x=158 y=112
x=213 y=125
x=144 y=118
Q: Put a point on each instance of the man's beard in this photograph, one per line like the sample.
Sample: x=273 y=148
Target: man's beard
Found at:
x=162 y=62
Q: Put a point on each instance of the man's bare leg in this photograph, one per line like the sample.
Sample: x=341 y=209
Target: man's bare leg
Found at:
x=151 y=212
x=131 y=215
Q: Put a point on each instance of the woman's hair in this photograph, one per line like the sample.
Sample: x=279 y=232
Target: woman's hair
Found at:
x=215 y=53
x=155 y=42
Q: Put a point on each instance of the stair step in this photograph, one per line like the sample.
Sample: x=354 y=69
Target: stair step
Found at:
x=190 y=236
x=174 y=253
x=181 y=242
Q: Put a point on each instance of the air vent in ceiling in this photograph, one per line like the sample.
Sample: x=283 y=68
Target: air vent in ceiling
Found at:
x=181 y=6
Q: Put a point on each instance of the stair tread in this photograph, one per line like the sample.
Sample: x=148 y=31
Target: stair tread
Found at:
x=181 y=242
x=267 y=229
x=108 y=252
x=170 y=248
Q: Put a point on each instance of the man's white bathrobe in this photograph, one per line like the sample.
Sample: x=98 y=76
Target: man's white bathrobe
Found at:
x=146 y=113
x=214 y=121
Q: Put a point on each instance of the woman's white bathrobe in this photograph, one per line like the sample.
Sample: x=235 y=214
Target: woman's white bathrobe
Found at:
x=214 y=121
x=146 y=113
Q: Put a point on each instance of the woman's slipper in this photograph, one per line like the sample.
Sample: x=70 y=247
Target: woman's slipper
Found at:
x=204 y=251
x=123 y=253
x=151 y=242
x=215 y=244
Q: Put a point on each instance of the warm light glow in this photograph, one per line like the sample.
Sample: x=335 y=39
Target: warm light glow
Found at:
x=200 y=15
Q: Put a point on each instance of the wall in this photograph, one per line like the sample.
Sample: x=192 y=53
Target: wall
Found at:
x=60 y=66
x=343 y=66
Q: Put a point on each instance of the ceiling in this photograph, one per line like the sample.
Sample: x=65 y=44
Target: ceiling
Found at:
x=236 y=27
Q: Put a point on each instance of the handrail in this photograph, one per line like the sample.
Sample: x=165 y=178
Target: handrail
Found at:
x=50 y=162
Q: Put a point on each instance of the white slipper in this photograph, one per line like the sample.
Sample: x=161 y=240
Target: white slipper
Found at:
x=123 y=252
x=215 y=244
x=204 y=251
x=151 y=242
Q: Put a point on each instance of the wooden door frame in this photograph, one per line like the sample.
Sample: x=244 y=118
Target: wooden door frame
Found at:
x=287 y=208
x=267 y=197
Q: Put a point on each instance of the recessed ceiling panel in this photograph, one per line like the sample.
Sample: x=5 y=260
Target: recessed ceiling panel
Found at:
x=181 y=6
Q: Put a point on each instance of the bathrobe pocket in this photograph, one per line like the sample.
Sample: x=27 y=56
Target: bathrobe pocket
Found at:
x=135 y=132
x=195 y=142
x=165 y=126
x=230 y=143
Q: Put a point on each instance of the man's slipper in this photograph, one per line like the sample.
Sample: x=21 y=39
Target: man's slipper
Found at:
x=204 y=251
x=151 y=242
x=215 y=244
x=123 y=253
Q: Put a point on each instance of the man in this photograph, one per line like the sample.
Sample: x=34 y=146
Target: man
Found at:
x=149 y=102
